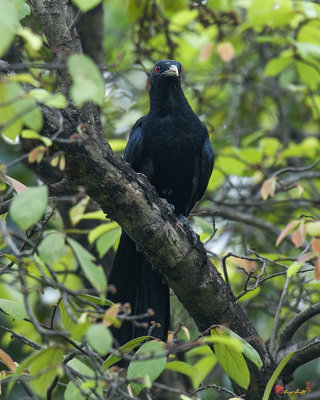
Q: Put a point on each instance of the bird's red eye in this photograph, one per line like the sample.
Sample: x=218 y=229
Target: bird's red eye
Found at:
x=157 y=68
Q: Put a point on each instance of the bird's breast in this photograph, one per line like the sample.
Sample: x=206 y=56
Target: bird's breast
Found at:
x=173 y=148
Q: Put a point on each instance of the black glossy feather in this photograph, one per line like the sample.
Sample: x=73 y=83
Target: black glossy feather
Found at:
x=170 y=145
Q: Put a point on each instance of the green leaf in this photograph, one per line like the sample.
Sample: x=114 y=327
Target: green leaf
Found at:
x=100 y=338
x=88 y=84
x=93 y=215
x=117 y=145
x=250 y=353
x=28 y=207
x=223 y=338
x=310 y=32
x=55 y=100
x=95 y=233
x=81 y=367
x=151 y=365
x=204 y=367
x=275 y=376
x=228 y=351
x=92 y=272
x=309 y=75
x=65 y=317
x=308 y=49
x=234 y=364
x=72 y=392
x=182 y=368
x=296 y=265
x=95 y=300
x=265 y=13
x=136 y=8
x=277 y=65
x=50 y=248
x=33 y=40
x=23 y=77
x=29 y=134
x=76 y=212
x=86 y=5
x=8 y=24
x=313 y=228
x=125 y=349
x=7 y=113
x=26 y=107
x=250 y=295
x=15 y=310
x=180 y=19
x=106 y=241
x=43 y=366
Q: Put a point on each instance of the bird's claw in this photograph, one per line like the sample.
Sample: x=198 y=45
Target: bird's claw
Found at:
x=191 y=233
x=169 y=206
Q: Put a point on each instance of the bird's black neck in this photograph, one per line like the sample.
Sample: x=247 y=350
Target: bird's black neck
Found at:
x=168 y=98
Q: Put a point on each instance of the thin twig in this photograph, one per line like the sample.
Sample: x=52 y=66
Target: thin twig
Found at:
x=276 y=318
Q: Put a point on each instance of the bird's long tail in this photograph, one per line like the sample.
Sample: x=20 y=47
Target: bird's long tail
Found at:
x=138 y=284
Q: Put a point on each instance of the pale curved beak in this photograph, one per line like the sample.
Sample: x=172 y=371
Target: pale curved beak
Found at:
x=171 y=71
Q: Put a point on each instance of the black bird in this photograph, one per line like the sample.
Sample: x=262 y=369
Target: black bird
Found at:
x=170 y=145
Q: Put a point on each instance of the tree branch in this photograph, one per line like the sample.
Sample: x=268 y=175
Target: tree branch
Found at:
x=305 y=351
x=295 y=323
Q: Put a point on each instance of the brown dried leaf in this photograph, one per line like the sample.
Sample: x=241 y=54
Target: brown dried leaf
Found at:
x=206 y=52
x=299 y=236
x=36 y=154
x=317 y=269
x=130 y=391
x=285 y=231
x=7 y=360
x=268 y=188
x=248 y=265
x=226 y=51
x=304 y=258
x=316 y=245
x=16 y=185
x=111 y=314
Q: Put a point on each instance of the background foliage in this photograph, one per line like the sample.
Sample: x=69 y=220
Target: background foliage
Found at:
x=251 y=72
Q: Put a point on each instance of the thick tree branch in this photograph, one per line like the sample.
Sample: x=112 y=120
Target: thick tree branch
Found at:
x=295 y=323
x=305 y=351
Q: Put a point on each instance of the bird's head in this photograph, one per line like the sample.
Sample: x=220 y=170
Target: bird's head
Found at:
x=166 y=71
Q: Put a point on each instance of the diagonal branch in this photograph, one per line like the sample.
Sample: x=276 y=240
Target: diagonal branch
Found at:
x=295 y=323
x=305 y=351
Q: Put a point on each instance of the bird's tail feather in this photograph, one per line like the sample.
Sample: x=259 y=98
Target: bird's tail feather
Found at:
x=138 y=284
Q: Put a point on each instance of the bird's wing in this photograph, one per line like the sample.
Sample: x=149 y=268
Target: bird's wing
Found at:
x=203 y=170
x=206 y=166
x=134 y=150
x=135 y=153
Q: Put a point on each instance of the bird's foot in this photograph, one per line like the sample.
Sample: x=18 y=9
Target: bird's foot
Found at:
x=169 y=206
x=191 y=233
